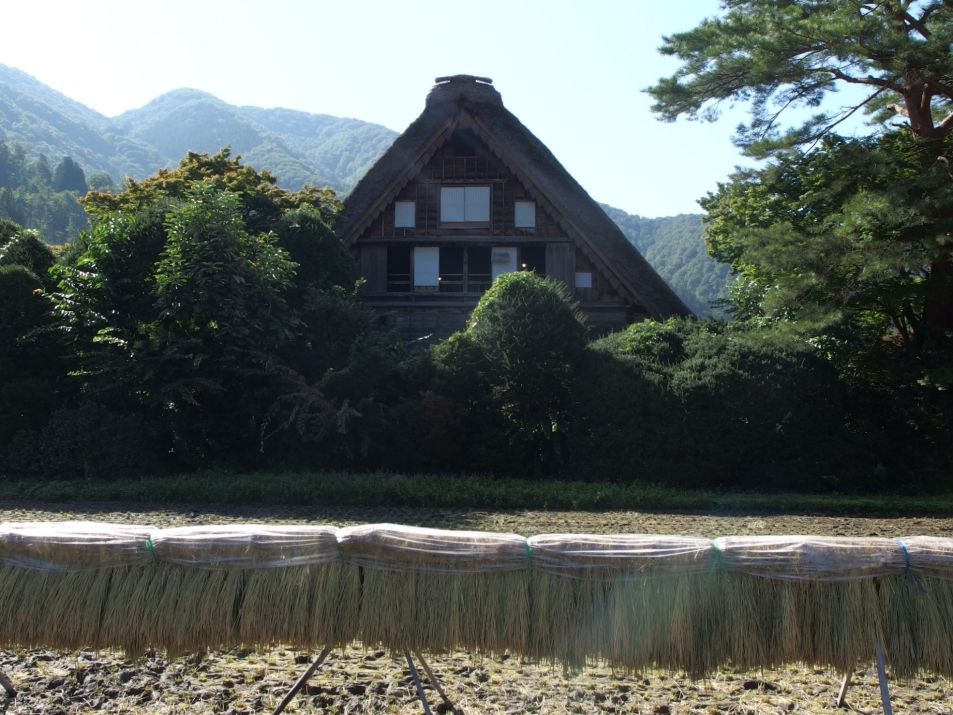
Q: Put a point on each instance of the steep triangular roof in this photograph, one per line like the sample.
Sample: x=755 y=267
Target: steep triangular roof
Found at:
x=469 y=102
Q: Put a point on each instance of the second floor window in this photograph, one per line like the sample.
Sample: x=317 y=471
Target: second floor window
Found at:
x=465 y=204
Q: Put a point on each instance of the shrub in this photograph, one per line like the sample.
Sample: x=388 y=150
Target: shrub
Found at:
x=86 y=441
x=704 y=404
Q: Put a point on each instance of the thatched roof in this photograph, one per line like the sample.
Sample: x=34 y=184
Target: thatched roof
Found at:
x=470 y=102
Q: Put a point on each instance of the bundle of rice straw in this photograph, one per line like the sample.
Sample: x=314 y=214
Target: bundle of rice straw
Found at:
x=804 y=598
x=250 y=585
x=436 y=590
x=60 y=582
x=637 y=601
x=919 y=608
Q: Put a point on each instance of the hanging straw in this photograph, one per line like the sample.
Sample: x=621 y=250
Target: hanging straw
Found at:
x=805 y=599
x=57 y=580
x=434 y=590
x=633 y=600
x=253 y=585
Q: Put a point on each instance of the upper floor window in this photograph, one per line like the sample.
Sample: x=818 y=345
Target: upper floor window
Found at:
x=459 y=204
x=405 y=214
x=524 y=214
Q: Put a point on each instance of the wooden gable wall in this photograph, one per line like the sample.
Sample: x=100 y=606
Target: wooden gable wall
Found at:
x=477 y=165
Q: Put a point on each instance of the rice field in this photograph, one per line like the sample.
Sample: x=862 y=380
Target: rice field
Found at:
x=356 y=680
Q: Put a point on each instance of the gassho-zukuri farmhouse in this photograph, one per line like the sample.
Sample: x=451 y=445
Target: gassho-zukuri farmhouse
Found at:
x=467 y=193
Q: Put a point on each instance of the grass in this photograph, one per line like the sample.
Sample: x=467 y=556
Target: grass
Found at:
x=457 y=492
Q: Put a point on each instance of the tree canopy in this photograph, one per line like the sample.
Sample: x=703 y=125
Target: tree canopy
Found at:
x=779 y=55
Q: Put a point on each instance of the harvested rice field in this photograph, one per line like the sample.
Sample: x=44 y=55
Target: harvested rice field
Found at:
x=371 y=681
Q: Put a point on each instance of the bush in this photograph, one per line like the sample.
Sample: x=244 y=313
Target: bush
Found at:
x=86 y=441
x=703 y=404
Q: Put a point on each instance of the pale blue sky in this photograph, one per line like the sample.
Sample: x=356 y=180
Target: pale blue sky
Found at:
x=571 y=71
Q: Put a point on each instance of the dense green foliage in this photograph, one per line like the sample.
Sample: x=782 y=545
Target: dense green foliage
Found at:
x=188 y=307
x=35 y=196
x=780 y=55
x=673 y=245
x=841 y=244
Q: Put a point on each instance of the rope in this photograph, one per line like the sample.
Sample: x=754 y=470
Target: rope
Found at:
x=529 y=558
x=152 y=553
x=910 y=575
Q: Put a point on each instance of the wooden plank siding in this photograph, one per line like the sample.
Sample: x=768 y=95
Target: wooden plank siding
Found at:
x=417 y=312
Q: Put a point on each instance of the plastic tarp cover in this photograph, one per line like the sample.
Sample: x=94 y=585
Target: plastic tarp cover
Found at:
x=244 y=546
x=73 y=545
x=811 y=558
x=579 y=555
x=408 y=548
x=930 y=556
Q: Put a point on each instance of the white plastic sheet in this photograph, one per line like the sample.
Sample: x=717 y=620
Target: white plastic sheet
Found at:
x=811 y=558
x=73 y=545
x=578 y=555
x=243 y=546
x=408 y=548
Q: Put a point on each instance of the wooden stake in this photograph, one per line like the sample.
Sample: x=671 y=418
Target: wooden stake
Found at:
x=302 y=680
x=842 y=695
x=434 y=682
x=7 y=685
x=420 y=687
x=882 y=674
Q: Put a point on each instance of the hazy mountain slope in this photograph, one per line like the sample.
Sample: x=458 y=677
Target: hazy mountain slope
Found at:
x=674 y=247
x=297 y=147
x=190 y=120
x=340 y=149
x=50 y=123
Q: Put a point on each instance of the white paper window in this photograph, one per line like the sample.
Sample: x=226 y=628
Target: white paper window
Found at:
x=427 y=267
x=405 y=214
x=524 y=215
x=502 y=260
x=464 y=203
x=584 y=280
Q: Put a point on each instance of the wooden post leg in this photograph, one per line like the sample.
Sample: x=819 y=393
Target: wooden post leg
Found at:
x=882 y=675
x=420 y=687
x=302 y=680
x=842 y=695
x=7 y=685
x=434 y=682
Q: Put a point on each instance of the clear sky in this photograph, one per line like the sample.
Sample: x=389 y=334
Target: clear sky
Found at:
x=571 y=70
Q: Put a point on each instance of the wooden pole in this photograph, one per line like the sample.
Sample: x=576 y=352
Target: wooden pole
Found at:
x=7 y=685
x=434 y=682
x=882 y=675
x=842 y=695
x=420 y=687
x=302 y=680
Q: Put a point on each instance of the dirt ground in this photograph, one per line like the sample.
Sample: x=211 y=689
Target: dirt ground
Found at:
x=360 y=680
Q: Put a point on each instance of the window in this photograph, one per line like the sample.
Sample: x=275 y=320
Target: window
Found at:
x=479 y=270
x=459 y=204
x=504 y=261
x=533 y=258
x=584 y=280
x=398 y=269
x=524 y=214
x=426 y=269
x=405 y=214
x=452 y=269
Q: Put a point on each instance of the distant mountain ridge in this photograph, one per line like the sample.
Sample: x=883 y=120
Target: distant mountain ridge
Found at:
x=297 y=147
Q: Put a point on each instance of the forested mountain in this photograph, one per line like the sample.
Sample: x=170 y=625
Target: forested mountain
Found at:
x=297 y=147
x=674 y=247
